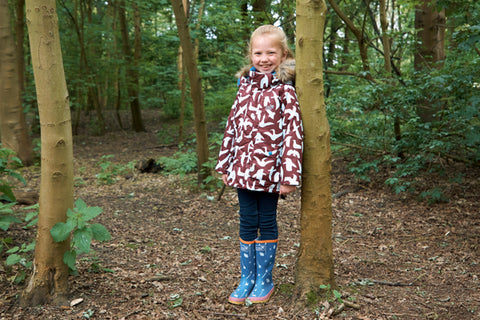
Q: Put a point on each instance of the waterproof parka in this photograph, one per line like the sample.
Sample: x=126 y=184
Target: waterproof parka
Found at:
x=263 y=143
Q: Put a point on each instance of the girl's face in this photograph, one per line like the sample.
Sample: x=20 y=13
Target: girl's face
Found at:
x=266 y=53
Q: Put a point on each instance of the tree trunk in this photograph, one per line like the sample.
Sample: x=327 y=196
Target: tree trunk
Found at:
x=359 y=34
x=385 y=38
x=259 y=9
x=116 y=74
x=182 y=82
x=13 y=127
x=196 y=91
x=314 y=266
x=182 y=73
x=137 y=121
x=50 y=274
x=388 y=63
x=430 y=24
x=430 y=51
x=132 y=64
x=20 y=37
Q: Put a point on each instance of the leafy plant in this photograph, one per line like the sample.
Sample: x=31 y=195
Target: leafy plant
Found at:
x=8 y=160
x=19 y=254
x=6 y=216
x=109 y=171
x=183 y=162
x=336 y=295
x=80 y=230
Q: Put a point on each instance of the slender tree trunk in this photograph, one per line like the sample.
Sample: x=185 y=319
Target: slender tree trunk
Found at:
x=50 y=274
x=196 y=91
x=20 y=37
x=182 y=85
x=259 y=9
x=132 y=64
x=388 y=65
x=116 y=75
x=359 y=35
x=85 y=70
x=13 y=127
x=315 y=258
x=182 y=82
x=345 y=60
x=182 y=72
x=137 y=46
x=430 y=51
x=385 y=38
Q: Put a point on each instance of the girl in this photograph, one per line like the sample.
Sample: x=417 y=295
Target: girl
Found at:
x=261 y=156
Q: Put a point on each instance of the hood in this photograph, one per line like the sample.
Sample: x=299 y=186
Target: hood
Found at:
x=285 y=71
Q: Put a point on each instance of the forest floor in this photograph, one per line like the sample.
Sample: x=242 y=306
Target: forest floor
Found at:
x=174 y=252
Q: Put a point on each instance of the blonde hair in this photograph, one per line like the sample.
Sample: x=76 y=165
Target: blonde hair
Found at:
x=271 y=30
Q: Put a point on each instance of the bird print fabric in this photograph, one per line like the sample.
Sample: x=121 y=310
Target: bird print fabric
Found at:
x=263 y=142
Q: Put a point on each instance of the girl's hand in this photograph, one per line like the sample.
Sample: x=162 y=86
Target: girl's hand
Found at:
x=224 y=178
x=286 y=189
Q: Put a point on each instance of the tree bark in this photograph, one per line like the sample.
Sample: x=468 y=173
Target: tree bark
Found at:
x=20 y=37
x=182 y=82
x=430 y=51
x=132 y=64
x=50 y=273
x=85 y=70
x=314 y=265
x=196 y=91
x=13 y=127
x=358 y=33
x=259 y=9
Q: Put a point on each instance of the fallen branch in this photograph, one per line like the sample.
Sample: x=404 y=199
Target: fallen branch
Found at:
x=159 y=278
x=240 y=315
x=344 y=192
x=394 y=284
x=357 y=147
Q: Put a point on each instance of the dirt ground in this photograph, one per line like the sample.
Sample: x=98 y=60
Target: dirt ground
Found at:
x=174 y=252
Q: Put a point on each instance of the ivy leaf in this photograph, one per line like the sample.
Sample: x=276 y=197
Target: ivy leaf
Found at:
x=99 y=232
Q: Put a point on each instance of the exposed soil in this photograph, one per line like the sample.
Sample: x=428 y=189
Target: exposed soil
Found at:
x=174 y=249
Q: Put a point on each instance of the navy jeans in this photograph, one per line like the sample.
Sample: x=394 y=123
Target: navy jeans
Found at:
x=258 y=213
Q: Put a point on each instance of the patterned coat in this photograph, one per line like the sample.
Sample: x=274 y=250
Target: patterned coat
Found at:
x=263 y=142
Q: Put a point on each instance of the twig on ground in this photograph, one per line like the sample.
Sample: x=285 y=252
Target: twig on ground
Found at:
x=344 y=192
x=159 y=278
x=395 y=284
x=240 y=315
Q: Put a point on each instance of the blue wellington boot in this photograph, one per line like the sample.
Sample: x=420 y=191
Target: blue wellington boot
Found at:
x=265 y=251
x=248 y=266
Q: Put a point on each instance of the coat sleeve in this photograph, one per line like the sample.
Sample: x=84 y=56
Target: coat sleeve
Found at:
x=227 y=148
x=292 y=151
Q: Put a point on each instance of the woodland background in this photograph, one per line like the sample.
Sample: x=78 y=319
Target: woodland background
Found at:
x=404 y=121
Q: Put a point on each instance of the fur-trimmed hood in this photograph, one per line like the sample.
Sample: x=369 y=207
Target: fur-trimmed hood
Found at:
x=285 y=71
